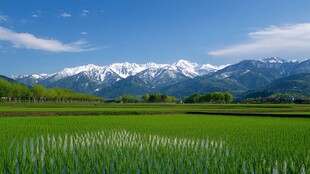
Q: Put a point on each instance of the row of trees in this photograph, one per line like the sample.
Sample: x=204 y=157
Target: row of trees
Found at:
x=158 y=98
x=17 y=92
x=215 y=97
x=147 y=98
x=11 y=91
x=128 y=99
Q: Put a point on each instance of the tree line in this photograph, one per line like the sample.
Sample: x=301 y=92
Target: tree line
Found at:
x=12 y=91
x=215 y=97
x=147 y=98
x=158 y=98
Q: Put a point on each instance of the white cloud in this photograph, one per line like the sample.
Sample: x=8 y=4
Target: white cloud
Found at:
x=29 y=41
x=3 y=18
x=84 y=33
x=282 y=41
x=37 y=14
x=65 y=15
x=85 y=12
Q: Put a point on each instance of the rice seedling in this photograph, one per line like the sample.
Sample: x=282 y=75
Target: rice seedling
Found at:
x=154 y=144
x=120 y=151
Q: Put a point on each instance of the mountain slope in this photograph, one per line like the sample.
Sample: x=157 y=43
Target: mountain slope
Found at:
x=254 y=74
x=297 y=83
x=79 y=83
x=7 y=78
x=83 y=82
x=132 y=85
x=202 y=85
x=294 y=85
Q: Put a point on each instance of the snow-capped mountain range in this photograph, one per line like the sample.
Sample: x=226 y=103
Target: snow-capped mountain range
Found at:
x=149 y=71
x=178 y=79
x=271 y=67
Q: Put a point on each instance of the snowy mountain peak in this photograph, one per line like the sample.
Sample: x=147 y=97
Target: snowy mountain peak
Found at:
x=213 y=67
x=90 y=70
x=155 y=65
x=273 y=60
x=184 y=63
x=208 y=68
x=79 y=69
x=34 y=76
x=126 y=69
x=40 y=76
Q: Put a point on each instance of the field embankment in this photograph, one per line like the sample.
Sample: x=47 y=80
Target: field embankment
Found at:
x=79 y=109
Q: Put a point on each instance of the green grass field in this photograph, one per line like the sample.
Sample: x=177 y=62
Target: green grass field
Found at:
x=165 y=143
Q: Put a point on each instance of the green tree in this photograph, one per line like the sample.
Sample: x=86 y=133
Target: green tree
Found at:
x=228 y=97
x=16 y=91
x=145 y=98
x=38 y=92
x=207 y=97
x=217 y=97
x=128 y=99
x=195 y=98
x=4 y=88
x=154 y=98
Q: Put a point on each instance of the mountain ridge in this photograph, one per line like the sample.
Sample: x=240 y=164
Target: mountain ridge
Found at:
x=177 y=79
x=126 y=69
x=103 y=76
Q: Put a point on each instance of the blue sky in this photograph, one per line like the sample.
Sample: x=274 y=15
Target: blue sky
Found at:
x=47 y=36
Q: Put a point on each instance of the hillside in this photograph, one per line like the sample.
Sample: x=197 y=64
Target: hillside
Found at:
x=7 y=78
x=296 y=85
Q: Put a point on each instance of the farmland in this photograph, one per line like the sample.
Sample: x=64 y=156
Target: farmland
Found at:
x=161 y=142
